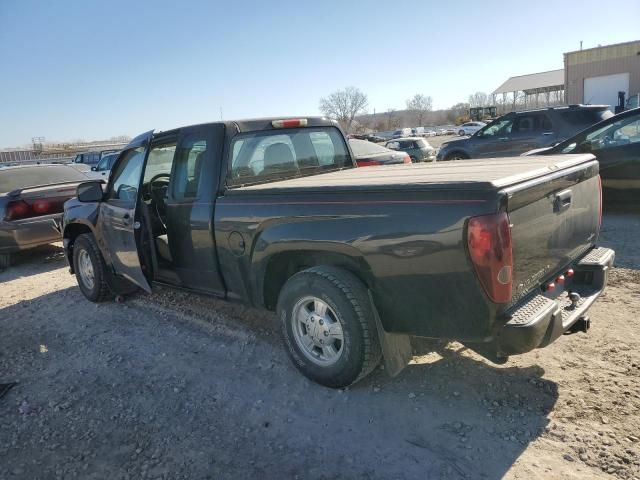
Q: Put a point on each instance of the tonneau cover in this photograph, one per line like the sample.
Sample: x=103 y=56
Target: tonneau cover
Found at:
x=485 y=174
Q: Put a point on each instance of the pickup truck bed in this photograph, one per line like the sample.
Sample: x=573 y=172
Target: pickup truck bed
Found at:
x=417 y=261
x=492 y=174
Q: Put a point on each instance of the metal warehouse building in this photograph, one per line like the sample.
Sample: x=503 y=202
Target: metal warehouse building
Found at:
x=596 y=75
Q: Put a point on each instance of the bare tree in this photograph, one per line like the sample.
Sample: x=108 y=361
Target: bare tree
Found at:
x=344 y=105
x=479 y=99
x=420 y=105
x=392 y=119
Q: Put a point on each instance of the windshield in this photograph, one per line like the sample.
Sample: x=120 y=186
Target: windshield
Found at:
x=24 y=177
x=622 y=131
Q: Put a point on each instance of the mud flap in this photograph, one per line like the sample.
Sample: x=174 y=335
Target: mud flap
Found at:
x=396 y=348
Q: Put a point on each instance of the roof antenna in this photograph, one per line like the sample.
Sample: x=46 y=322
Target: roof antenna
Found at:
x=580 y=44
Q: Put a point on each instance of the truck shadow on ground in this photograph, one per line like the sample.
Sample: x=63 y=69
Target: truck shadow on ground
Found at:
x=162 y=380
x=449 y=414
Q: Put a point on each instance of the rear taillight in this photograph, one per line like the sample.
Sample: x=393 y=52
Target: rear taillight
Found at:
x=366 y=162
x=489 y=242
x=41 y=206
x=20 y=209
x=17 y=210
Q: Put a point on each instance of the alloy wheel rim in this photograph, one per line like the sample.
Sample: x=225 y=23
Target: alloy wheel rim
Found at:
x=317 y=331
x=85 y=267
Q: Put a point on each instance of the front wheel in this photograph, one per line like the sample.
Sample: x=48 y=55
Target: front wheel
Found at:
x=461 y=133
x=328 y=326
x=90 y=268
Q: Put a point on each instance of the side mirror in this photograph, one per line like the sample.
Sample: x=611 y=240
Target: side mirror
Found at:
x=90 y=192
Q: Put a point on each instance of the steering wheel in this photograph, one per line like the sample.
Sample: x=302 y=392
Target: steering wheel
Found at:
x=158 y=193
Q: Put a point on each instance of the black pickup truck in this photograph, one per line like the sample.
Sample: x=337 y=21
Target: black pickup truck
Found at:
x=501 y=255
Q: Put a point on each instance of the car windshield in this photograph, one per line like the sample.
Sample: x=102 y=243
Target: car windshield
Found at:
x=623 y=131
x=362 y=148
x=24 y=177
x=105 y=163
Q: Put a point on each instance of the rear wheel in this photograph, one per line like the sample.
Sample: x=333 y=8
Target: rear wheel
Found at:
x=328 y=326
x=457 y=156
x=90 y=269
x=461 y=133
x=5 y=260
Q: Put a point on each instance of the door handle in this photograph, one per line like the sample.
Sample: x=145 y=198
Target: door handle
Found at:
x=562 y=201
x=548 y=133
x=503 y=139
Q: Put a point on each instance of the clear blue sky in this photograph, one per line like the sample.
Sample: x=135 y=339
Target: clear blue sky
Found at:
x=78 y=69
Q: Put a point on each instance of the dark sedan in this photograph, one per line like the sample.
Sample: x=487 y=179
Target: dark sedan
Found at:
x=31 y=204
x=369 y=154
x=616 y=144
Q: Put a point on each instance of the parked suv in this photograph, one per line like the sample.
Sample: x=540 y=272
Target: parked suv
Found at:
x=518 y=132
x=91 y=158
x=418 y=149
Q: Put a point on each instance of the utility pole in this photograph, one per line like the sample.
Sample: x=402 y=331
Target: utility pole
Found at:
x=220 y=113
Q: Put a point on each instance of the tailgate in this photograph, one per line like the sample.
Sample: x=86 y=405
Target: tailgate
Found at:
x=555 y=219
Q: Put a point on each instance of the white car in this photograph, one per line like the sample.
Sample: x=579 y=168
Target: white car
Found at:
x=470 y=128
x=102 y=170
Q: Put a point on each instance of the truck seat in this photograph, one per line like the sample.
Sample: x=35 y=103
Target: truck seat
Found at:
x=278 y=158
x=162 y=247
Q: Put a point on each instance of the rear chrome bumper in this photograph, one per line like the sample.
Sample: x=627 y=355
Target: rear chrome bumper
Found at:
x=537 y=320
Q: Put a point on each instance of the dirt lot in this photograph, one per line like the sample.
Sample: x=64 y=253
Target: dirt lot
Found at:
x=180 y=386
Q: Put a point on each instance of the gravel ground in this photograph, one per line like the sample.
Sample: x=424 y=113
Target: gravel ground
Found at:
x=174 y=385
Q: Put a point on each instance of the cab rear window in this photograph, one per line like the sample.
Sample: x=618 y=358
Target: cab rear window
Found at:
x=278 y=154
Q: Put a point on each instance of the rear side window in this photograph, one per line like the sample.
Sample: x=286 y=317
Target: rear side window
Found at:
x=189 y=160
x=531 y=123
x=277 y=154
x=585 y=117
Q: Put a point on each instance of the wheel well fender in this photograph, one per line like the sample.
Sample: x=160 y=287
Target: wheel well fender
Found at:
x=70 y=234
x=278 y=267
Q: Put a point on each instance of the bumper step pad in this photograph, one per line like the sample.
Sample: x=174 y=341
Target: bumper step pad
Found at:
x=537 y=320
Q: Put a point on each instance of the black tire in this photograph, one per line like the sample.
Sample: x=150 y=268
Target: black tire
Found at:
x=99 y=291
x=5 y=260
x=457 y=156
x=461 y=133
x=348 y=298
